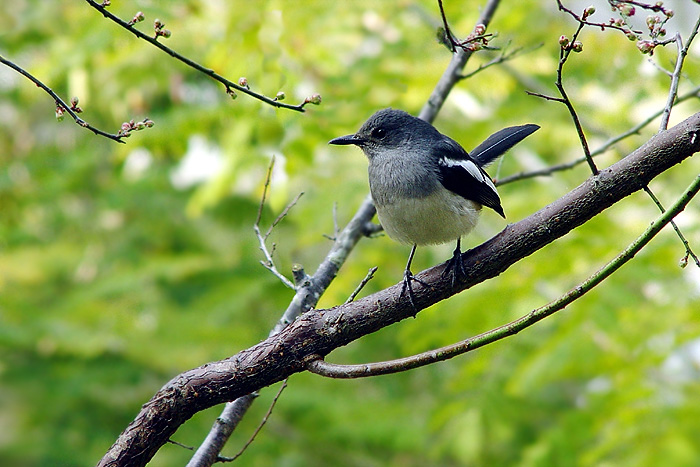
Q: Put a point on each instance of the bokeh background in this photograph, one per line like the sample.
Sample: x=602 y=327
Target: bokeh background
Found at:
x=122 y=265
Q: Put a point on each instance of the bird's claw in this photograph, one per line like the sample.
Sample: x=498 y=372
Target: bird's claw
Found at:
x=455 y=267
x=407 y=287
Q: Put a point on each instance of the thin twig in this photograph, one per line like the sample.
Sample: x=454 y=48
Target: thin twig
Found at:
x=477 y=40
x=675 y=77
x=602 y=26
x=176 y=443
x=566 y=47
x=666 y=115
x=695 y=92
x=450 y=37
x=283 y=214
x=266 y=186
x=688 y=250
x=565 y=52
x=257 y=430
x=61 y=103
x=228 y=84
x=361 y=285
x=336 y=229
x=323 y=368
x=269 y=263
x=502 y=57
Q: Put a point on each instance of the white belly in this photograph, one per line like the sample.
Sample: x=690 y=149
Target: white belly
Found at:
x=440 y=217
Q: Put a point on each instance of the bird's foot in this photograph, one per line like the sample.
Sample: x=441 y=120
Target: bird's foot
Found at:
x=408 y=277
x=455 y=267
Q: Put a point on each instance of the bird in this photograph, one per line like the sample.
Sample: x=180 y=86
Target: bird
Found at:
x=426 y=188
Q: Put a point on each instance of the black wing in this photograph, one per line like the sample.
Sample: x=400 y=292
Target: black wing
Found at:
x=501 y=141
x=460 y=174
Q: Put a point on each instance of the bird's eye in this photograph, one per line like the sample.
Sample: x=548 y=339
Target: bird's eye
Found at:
x=379 y=133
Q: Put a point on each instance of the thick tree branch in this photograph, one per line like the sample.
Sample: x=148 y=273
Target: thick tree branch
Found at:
x=332 y=370
x=307 y=296
x=316 y=333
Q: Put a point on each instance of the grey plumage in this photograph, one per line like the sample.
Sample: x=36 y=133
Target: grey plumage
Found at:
x=426 y=187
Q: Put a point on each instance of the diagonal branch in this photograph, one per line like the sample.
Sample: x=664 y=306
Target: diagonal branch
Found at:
x=547 y=171
x=61 y=104
x=315 y=334
x=331 y=370
x=228 y=84
x=308 y=294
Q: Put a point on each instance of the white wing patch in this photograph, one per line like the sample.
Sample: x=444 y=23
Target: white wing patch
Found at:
x=471 y=167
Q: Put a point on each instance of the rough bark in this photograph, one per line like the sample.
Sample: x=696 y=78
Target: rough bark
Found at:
x=318 y=332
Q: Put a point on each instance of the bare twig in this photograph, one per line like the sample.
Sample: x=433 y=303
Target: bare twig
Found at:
x=564 y=54
x=262 y=238
x=501 y=58
x=695 y=92
x=335 y=224
x=184 y=446
x=229 y=85
x=477 y=40
x=361 y=285
x=566 y=47
x=321 y=367
x=72 y=110
x=672 y=98
x=603 y=26
x=283 y=214
x=260 y=426
x=675 y=77
x=688 y=251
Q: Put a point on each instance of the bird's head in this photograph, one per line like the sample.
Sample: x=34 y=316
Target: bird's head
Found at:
x=387 y=130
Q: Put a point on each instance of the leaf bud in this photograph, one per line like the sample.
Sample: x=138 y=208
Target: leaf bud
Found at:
x=315 y=99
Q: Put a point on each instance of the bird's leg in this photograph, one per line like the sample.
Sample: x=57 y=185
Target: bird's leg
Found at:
x=455 y=265
x=408 y=277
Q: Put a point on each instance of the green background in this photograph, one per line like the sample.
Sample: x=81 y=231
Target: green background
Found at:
x=114 y=278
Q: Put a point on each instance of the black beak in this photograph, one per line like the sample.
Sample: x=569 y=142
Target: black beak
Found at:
x=345 y=140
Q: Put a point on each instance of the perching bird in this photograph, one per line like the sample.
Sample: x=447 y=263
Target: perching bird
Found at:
x=427 y=189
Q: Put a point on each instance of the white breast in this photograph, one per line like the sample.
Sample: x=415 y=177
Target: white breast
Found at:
x=440 y=217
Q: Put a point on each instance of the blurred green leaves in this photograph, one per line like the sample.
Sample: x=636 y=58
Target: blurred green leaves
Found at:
x=113 y=278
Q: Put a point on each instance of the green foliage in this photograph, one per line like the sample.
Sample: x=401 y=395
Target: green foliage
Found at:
x=113 y=279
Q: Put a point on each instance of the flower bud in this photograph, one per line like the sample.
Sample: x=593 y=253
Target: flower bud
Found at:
x=588 y=12
x=315 y=99
x=577 y=46
x=474 y=46
x=627 y=10
x=646 y=47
